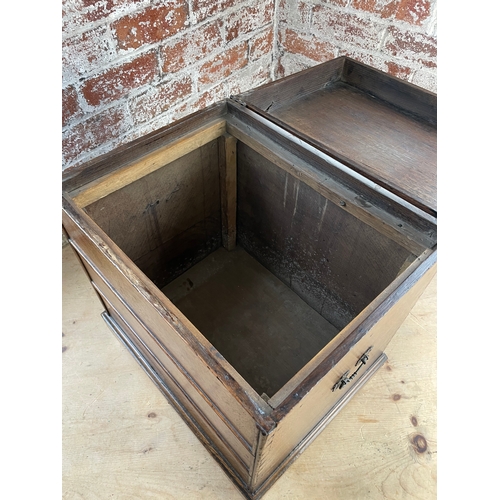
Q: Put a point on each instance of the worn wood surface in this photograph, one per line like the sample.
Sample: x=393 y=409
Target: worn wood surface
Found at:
x=228 y=198
x=380 y=126
x=352 y=126
x=121 y=438
x=391 y=218
x=214 y=422
x=298 y=420
x=409 y=98
x=172 y=331
x=271 y=96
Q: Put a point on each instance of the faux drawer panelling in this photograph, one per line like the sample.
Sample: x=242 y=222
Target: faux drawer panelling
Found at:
x=174 y=383
x=165 y=363
x=165 y=335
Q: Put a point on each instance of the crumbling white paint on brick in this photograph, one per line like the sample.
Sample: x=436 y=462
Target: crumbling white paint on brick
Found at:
x=96 y=39
x=90 y=49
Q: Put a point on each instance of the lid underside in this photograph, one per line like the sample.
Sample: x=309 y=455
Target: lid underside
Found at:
x=379 y=126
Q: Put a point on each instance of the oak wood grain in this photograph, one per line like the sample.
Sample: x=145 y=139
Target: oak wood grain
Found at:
x=387 y=146
x=379 y=125
x=331 y=259
x=166 y=364
x=252 y=318
x=228 y=175
x=395 y=221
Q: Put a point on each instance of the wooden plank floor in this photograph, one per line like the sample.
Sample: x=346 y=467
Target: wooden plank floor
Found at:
x=121 y=438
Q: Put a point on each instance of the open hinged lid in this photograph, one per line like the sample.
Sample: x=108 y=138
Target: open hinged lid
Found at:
x=380 y=126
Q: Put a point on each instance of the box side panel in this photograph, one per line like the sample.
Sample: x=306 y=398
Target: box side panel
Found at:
x=120 y=329
x=166 y=338
x=189 y=409
x=169 y=219
x=168 y=367
x=331 y=259
x=297 y=419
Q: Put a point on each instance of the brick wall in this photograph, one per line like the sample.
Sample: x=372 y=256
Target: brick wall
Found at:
x=132 y=66
x=395 y=36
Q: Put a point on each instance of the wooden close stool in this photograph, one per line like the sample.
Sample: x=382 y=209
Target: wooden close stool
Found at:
x=257 y=257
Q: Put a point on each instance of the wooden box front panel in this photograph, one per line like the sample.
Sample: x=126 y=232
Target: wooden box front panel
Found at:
x=218 y=427
x=193 y=380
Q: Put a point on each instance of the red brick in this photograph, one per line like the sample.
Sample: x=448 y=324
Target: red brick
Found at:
x=151 y=25
x=413 y=11
x=108 y=125
x=297 y=17
x=93 y=133
x=427 y=64
x=262 y=44
x=280 y=70
x=104 y=8
x=367 y=5
x=224 y=64
x=84 y=53
x=70 y=106
x=398 y=71
x=411 y=45
x=314 y=49
x=249 y=19
x=384 y=8
x=343 y=27
x=206 y=8
x=209 y=97
x=75 y=142
x=387 y=8
x=100 y=10
x=116 y=82
x=191 y=47
x=160 y=99
x=288 y=64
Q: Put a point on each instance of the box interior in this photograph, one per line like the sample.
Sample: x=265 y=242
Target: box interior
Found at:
x=302 y=268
